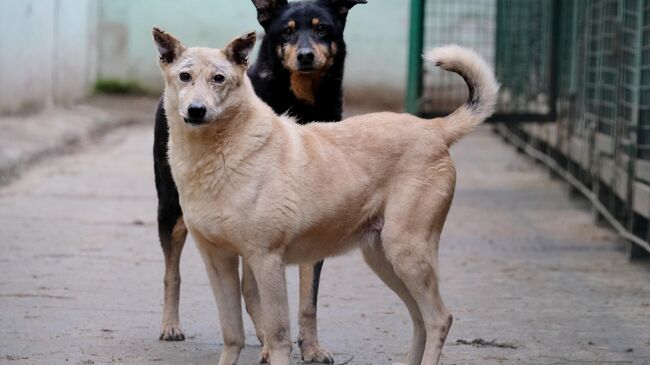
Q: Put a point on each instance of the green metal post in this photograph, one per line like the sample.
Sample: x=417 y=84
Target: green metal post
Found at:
x=416 y=44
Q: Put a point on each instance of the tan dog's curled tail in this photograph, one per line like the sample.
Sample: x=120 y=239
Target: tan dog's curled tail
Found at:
x=482 y=84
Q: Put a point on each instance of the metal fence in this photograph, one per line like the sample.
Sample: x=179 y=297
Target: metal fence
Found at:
x=468 y=23
x=577 y=70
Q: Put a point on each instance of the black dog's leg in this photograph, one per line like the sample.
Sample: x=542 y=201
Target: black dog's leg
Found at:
x=171 y=229
x=310 y=348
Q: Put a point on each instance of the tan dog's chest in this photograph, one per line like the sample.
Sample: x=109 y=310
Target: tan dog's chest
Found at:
x=210 y=206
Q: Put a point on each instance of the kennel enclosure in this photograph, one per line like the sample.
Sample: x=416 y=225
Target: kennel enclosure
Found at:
x=575 y=92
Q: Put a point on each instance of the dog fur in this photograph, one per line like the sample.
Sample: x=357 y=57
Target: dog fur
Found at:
x=308 y=91
x=258 y=185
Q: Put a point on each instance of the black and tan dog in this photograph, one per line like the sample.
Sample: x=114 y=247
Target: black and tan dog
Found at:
x=299 y=71
x=258 y=185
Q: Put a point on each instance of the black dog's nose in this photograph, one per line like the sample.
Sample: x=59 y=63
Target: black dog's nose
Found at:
x=196 y=111
x=305 y=56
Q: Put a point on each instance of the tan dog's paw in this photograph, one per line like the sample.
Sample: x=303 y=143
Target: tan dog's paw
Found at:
x=315 y=353
x=171 y=333
x=264 y=355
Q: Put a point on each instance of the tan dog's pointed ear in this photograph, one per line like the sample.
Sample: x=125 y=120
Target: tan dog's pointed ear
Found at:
x=239 y=49
x=169 y=47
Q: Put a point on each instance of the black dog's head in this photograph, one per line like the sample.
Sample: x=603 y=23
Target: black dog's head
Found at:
x=306 y=35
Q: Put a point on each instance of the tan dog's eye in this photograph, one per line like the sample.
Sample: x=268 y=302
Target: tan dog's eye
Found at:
x=287 y=32
x=321 y=30
x=185 y=77
x=219 y=78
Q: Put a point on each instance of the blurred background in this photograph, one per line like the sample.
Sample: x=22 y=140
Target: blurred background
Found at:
x=68 y=49
x=545 y=254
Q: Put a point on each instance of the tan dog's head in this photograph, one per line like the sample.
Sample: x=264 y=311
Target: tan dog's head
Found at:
x=203 y=84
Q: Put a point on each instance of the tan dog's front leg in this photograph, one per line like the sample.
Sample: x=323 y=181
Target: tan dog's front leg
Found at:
x=310 y=348
x=270 y=277
x=254 y=308
x=223 y=271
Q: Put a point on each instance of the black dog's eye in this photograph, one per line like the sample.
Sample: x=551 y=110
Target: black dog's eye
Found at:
x=219 y=78
x=321 y=30
x=185 y=77
x=287 y=32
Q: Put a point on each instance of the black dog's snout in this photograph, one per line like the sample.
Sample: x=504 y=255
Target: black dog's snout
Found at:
x=196 y=111
x=305 y=56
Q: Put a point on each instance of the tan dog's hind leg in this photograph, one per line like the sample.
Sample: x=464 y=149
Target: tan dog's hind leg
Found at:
x=414 y=259
x=223 y=271
x=254 y=308
x=310 y=348
x=413 y=222
x=269 y=273
x=376 y=259
x=171 y=328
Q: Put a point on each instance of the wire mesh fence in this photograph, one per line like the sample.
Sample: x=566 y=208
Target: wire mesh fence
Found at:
x=468 y=23
x=582 y=64
x=597 y=62
x=524 y=56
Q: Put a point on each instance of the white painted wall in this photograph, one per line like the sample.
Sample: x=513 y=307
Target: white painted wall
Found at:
x=53 y=51
x=377 y=37
x=127 y=50
x=47 y=52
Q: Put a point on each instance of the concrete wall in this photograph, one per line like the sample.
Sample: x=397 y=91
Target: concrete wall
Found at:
x=376 y=35
x=377 y=38
x=48 y=52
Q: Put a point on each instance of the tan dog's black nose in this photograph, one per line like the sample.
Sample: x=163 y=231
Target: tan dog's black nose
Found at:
x=196 y=112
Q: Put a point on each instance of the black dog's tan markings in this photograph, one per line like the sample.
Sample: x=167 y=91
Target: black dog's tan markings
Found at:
x=304 y=87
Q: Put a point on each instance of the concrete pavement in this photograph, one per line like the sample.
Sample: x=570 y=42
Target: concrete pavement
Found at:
x=31 y=137
x=521 y=264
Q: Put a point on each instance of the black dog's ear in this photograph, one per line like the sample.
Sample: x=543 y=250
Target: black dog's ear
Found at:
x=266 y=10
x=238 y=50
x=341 y=7
x=168 y=46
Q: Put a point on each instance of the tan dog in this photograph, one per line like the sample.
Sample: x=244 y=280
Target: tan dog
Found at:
x=260 y=186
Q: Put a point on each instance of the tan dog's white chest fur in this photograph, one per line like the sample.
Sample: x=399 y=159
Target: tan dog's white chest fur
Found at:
x=260 y=186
